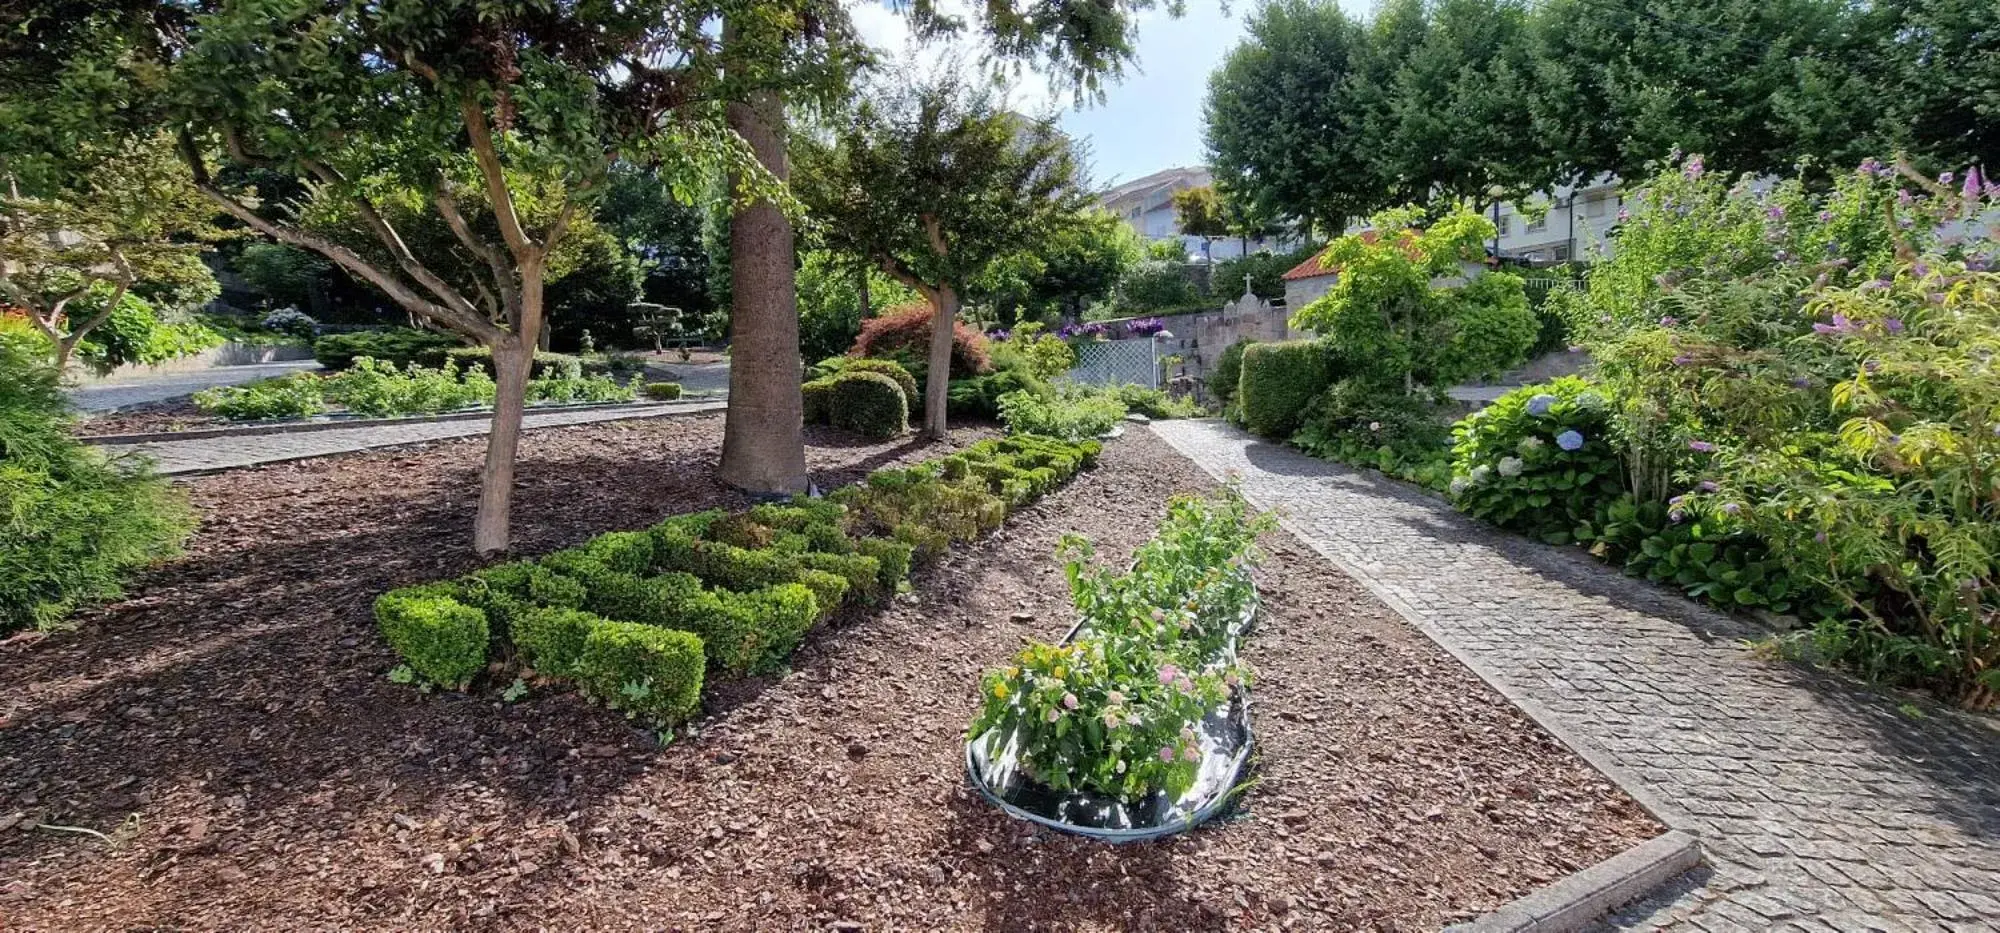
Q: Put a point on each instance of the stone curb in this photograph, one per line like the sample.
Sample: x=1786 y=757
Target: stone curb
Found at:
x=1677 y=821
x=1586 y=896
x=640 y=412
x=306 y=427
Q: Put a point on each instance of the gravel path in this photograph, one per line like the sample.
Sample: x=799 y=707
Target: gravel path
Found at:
x=205 y=454
x=1821 y=805
x=124 y=393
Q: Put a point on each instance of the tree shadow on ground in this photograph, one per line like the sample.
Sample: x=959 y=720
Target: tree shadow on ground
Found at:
x=1954 y=752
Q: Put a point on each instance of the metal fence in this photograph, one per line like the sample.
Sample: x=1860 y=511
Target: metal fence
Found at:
x=1133 y=361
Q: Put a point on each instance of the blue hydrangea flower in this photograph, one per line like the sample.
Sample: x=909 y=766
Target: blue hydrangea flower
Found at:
x=1540 y=404
x=1569 y=440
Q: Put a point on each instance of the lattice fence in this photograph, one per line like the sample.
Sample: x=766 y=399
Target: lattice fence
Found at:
x=1135 y=361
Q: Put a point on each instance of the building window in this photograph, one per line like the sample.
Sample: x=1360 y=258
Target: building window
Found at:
x=1595 y=207
x=1561 y=253
x=1538 y=224
x=1506 y=225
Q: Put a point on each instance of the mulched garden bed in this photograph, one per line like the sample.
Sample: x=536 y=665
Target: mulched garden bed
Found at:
x=174 y=414
x=230 y=725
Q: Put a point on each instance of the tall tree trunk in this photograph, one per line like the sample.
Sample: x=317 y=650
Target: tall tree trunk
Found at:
x=861 y=288
x=763 y=439
x=937 y=382
x=513 y=359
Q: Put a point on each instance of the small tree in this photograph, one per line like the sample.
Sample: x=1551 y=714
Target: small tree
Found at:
x=1199 y=212
x=933 y=183
x=132 y=216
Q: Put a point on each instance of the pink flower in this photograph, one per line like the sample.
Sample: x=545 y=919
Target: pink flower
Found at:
x=1069 y=701
x=1166 y=753
x=1190 y=753
x=1054 y=714
x=1168 y=673
x=1159 y=615
x=1115 y=698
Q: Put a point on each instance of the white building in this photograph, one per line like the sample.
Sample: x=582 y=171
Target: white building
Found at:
x=1573 y=225
x=1147 y=205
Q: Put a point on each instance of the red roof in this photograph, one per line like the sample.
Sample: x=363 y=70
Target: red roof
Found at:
x=1311 y=268
x=1316 y=266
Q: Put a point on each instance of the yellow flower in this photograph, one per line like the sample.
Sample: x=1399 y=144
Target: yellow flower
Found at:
x=1061 y=672
x=999 y=691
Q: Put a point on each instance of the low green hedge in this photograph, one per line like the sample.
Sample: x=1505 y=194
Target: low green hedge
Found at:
x=736 y=592
x=398 y=347
x=979 y=396
x=662 y=391
x=1279 y=381
x=545 y=365
x=869 y=404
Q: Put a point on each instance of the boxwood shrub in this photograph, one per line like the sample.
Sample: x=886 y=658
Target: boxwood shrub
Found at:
x=869 y=404
x=551 y=640
x=440 y=638
x=818 y=395
x=662 y=391
x=1279 y=381
x=649 y=672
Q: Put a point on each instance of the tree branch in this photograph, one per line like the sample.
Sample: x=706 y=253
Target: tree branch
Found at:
x=391 y=239
x=503 y=275
x=484 y=153
x=124 y=280
x=896 y=271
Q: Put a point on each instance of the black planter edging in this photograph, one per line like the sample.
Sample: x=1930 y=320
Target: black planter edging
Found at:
x=339 y=422
x=1226 y=744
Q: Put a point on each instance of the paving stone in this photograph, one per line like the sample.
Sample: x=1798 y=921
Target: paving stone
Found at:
x=1823 y=806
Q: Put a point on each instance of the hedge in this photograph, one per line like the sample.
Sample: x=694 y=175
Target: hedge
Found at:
x=662 y=391
x=545 y=365
x=1279 y=381
x=869 y=404
x=818 y=395
x=399 y=348
x=732 y=593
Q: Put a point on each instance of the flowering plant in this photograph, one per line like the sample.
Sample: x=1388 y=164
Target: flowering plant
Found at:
x=1144 y=327
x=1538 y=460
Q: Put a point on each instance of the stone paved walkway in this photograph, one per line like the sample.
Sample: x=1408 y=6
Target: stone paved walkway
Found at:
x=1820 y=805
x=197 y=455
x=140 y=389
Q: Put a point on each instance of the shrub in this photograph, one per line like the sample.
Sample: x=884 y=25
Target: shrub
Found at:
x=374 y=387
x=551 y=640
x=75 y=522
x=440 y=638
x=650 y=673
x=505 y=591
x=662 y=391
x=1359 y=423
x=1154 y=403
x=592 y=389
x=1042 y=355
x=979 y=396
x=892 y=559
x=398 y=348
x=1155 y=287
x=139 y=331
x=1228 y=371
x=818 y=400
x=544 y=366
x=291 y=322
x=1539 y=460
x=300 y=395
x=1071 y=412
x=869 y=404
x=894 y=370
x=903 y=334
x=1279 y=380
x=623 y=551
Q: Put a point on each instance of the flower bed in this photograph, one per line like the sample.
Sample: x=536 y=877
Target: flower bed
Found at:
x=637 y=619
x=379 y=389
x=1136 y=725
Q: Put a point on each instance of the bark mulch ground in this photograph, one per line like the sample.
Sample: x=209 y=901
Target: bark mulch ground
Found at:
x=230 y=728
x=174 y=414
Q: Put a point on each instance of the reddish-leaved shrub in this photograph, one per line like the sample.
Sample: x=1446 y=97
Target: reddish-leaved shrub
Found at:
x=903 y=333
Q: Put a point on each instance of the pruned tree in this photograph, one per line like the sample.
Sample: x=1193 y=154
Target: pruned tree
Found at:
x=933 y=182
x=1198 y=212
x=134 y=217
x=467 y=110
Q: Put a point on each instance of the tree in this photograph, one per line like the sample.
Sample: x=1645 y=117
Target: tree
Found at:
x=1941 y=62
x=1198 y=212
x=1078 y=263
x=472 y=107
x=1282 y=127
x=134 y=216
x=1454 y=74
x=934 y=182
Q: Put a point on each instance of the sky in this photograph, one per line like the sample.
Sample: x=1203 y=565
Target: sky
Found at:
x=1151 y=120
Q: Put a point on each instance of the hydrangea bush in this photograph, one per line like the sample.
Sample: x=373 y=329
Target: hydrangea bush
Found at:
x=1539 y=460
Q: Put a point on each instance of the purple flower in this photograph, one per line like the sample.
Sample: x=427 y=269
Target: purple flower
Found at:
x=1825 y=216
x=1693 y=169
x=1167 y=753
x=1669 y=321
x=1676 y=515
x=1145 y=327
x=1624 y=214
x=1893 y=325
x=1731 y=508
x=1802 y=382
x=1168 y=673
x=1871 y=366
x=1683 y=360
x=1973 y=185
x=1701 y=447
x=1820 y=537
x=1947 y=178
x=1903 y=196
x=1540 y=404
x=1895 y=438
x=1708 y=485
x=1676 y=501
x=1775 y=212
x=1840 y=325
x=1569 y=440
x=1873 y=167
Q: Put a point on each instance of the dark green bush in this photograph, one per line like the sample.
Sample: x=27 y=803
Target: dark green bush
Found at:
x=979 y=396
x=1279 y=380
x=650 y=673
x=1228 y=371
x=399 y=347
x=551 y=640
x=1359 y=423
x=545 y=366
x=662 y=391
x=440 y=638
x=1512 y=464
x=72 y=522
x=818 y=396
x=505 y=591
x=912 y=395
x=869 y=404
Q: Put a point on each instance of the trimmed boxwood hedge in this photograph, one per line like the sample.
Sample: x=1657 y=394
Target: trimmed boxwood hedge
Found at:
x=737 y=592
x=1279 y=380
x=869 y=404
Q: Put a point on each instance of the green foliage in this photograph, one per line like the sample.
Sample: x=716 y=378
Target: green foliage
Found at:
x=1279 y=381
x=300 y=395
x=831 y=301
x=834 y=366
x=650 y=673
x=1228 y=372
x=818 y=400
x=1070 y=412
x=662 y=391
x=73 y=524
x=440 y=638
x=870 y=404
x=286 y=275
x=1059 y=274
x=1402 y=313
x=399 y=347
x=1156 y=287
x=543 y=366
x=1266 y=271
x=979 y=396
x=551 y=640
x=138 y=332
x=1115 y=711
x=1036 y=352
x=1511 y=464
x=372 y=387
x=1356 y=422
x=586 y=390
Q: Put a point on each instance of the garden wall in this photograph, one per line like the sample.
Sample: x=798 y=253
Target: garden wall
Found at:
x=229 y=354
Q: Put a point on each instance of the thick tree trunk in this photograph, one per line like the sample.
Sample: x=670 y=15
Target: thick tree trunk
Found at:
x=763 y=439
x=511 y=363
x=937 y=383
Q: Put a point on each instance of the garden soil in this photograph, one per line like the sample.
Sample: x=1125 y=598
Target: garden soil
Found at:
x=229 y=737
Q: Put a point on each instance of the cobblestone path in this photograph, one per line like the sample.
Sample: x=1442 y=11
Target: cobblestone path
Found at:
x=1820 y=805
x=202 y=454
